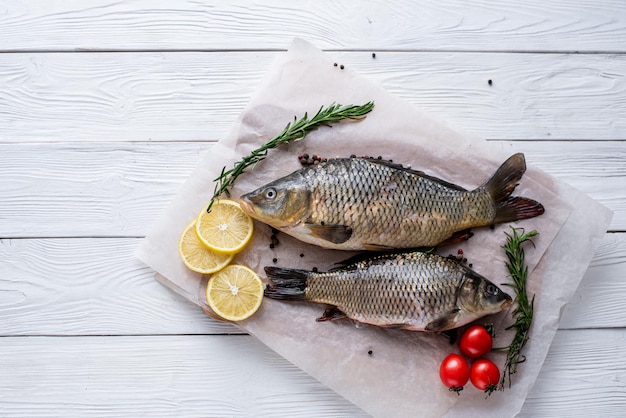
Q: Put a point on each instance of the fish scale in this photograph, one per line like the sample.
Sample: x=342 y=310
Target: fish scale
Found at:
x=365 y=204
x=415 y=291
x=382 y=217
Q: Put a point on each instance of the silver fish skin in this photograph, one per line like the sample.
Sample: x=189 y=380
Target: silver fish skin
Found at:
x=415 y=291
x=367 y=204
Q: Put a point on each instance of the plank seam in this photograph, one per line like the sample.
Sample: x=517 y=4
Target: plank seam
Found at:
x=273 y=50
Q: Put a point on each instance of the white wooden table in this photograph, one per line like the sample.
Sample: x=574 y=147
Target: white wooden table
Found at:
x=106 y=107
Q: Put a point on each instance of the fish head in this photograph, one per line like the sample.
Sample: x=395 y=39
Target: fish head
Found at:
x=282 y=203
x=478 y=297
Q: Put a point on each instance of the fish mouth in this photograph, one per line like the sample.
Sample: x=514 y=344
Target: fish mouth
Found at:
x=506 y=304
x=246 y=205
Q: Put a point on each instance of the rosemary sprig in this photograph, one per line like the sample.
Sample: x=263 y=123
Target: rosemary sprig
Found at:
x=294 y=131
x=523 y=313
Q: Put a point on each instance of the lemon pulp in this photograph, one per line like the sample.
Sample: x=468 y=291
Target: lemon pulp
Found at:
x=226 y=228
x=196 y=256
x=235 y=293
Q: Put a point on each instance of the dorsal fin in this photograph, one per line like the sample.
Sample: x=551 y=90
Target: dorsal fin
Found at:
x=390 y=164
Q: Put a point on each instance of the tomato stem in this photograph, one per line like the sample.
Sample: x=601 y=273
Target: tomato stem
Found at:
x=490 y=329
x=490 y=389
x=457 y=390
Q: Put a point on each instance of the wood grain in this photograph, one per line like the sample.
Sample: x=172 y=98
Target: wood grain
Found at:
x=95 y=286
x=577 y=164
x=90 y=189
x=88 y=89
x=89 y=287
x=507 y=25
x=583 y=375
x=237 y=376
x=187 y=96
x=233 y=376
x=597 y=302
x=120 y=189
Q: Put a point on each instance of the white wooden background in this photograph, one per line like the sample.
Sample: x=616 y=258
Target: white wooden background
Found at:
x=106 y=106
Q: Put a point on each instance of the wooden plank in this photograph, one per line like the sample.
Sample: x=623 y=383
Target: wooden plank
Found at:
x=119 y=189
x=596 y=303
x=237 y=376
x=564 y=25
x=90 y=189
x=89 y=287
x=596 y=169
x=188 y=96
x=583 y=376
x=95 y=286
x=232 y=376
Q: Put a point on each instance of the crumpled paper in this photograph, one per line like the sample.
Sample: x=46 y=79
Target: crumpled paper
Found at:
x=391 y=373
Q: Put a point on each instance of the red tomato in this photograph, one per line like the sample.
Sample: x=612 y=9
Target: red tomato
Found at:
x=454 y=372
x=475 y=342
x=485 y=375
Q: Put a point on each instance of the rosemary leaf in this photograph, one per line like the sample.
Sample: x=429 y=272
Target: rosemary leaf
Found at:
x=294 y=131
x=523 y=312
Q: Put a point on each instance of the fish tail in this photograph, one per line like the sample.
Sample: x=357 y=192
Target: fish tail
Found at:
x=286 y=284
x=501 y=185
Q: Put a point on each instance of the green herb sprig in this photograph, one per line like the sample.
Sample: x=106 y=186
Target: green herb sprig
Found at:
x=294 y=131
x=523 y=313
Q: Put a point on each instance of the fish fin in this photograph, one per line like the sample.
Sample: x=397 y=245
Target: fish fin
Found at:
x=517 y=208
x=337 y=234
x=444 y=322
x=501 y=185
x=396 y=326
x=417 y=173
x=377 y=247
x=332 y=313
x=457 y=238
x=351 y=261
x=376 y=256
x=286 y=284
x=504 y=180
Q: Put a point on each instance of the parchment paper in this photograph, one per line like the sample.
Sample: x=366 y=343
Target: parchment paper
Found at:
x=400 y=376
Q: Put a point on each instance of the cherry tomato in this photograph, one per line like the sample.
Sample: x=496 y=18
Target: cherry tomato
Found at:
x=454 y=372
x=485 y=375
x=475 y=342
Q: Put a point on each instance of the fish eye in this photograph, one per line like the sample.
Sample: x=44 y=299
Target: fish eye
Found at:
x=270 y=193
x=491 y=290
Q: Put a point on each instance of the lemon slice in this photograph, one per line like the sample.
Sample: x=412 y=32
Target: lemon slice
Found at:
x=235 y=293
x=226 y=229
x=197 y=256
